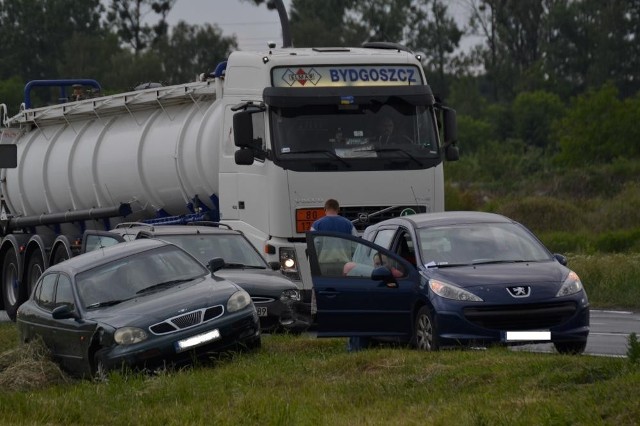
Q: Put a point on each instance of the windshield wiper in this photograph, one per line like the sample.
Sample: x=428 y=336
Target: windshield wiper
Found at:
x=323 y=151
x=103 y=304
x=241 y=266
x=445 y=265
x=488 y=262
x=163 y=284
x=397 y=150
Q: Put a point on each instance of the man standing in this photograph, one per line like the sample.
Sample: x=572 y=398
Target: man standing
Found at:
x=333 y=222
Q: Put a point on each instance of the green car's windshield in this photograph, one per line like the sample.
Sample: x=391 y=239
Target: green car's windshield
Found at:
x=123 y=279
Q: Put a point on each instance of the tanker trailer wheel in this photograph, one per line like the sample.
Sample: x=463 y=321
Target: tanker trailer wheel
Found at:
x=10 y=284
x=35 y=268
x=60 y=255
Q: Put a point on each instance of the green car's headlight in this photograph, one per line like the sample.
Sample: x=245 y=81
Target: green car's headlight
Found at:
x=129 y=335
x=238 y=300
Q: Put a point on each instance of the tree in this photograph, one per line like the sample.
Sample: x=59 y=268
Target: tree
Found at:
x=191 y=50
x=322 y=24
x=534 y=113
x=434 y=33
x=591 y=42
x=33 y=33
x=599 y=128
x=128 y=18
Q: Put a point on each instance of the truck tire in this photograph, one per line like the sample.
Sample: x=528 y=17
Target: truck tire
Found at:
x=60 y=255
x=35 y=268
x=10 y=284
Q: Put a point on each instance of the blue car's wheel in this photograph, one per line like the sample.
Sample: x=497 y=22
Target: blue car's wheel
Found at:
x=571 y=348
x=425 y=337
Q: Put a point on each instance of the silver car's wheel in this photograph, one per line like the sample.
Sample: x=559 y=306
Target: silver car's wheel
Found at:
x=424 y=332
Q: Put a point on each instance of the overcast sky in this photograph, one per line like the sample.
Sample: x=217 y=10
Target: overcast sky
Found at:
x=252 y=25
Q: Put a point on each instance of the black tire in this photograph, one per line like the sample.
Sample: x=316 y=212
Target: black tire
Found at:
x=10 y=284
x=570 y=348
x=60 y=255
x=35 y=268
x=425 y=336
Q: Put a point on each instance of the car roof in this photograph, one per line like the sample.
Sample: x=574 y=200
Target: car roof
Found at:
x=156 y=230
x=105 y=255
x=427 y=220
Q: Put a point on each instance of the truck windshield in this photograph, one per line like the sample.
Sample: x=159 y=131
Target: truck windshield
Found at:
x=371 y=136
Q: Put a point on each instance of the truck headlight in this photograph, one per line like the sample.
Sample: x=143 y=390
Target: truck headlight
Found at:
x=129 y=335
x=570 y=286
x=289 y=263
x=238 y=300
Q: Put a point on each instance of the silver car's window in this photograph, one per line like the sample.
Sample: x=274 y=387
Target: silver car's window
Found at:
x=233 y=248
x=478 y=243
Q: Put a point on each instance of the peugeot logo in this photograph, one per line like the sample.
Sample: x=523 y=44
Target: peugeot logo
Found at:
x=519 y=291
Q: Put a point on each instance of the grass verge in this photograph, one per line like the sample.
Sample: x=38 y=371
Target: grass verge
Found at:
x=307 y=381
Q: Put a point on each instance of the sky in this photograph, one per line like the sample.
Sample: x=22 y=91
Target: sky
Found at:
x=252 y=25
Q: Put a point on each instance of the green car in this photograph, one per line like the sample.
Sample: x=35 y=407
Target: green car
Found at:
x=142 y=305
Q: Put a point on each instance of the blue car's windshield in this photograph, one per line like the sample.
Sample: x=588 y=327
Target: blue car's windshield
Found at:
x=477 y=243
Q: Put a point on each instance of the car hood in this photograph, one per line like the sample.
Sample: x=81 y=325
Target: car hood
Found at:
x=545 y=278
x=258 y=282
x=150 y=308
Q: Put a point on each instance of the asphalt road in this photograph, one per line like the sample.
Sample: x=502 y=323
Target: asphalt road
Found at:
x=608 y=337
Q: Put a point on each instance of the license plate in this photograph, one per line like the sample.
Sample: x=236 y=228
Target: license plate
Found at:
x=262 y=311
x=527 y=336
x=200 y=339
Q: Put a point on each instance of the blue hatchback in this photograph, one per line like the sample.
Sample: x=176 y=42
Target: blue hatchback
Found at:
x=447 y=279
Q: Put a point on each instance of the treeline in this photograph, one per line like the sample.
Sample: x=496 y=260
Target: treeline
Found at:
x=548 y=96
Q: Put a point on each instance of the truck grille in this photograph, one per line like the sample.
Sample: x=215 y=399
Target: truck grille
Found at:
x=521 y=317
x=364 y=216
x=187 y=320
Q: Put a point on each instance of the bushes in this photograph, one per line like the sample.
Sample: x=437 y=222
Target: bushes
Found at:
x=543 y=214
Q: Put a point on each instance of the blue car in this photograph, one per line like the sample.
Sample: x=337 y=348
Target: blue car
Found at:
x=437 y=280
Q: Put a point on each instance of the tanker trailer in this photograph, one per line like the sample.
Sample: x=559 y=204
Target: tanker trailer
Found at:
x=88 y=163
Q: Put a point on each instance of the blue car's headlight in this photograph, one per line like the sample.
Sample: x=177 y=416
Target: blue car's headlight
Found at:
x=290 y=294
x=238 y=300
x=450 y=291
x=570 y=286
x=129 y=335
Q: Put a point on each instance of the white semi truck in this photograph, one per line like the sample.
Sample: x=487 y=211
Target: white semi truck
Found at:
x=259 y=144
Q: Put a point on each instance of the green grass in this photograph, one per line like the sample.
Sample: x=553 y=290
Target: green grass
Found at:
x=307 y=381
x=612 y=281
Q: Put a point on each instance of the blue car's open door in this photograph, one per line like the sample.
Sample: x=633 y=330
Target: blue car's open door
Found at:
x=360 y=288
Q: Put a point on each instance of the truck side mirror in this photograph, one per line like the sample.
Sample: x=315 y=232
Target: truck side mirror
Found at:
x=450 y=126
x=243 y=135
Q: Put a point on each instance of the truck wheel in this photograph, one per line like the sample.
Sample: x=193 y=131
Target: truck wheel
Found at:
x=60 y=255
x=35 y=268
x=10 y=284
x=425 y=336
